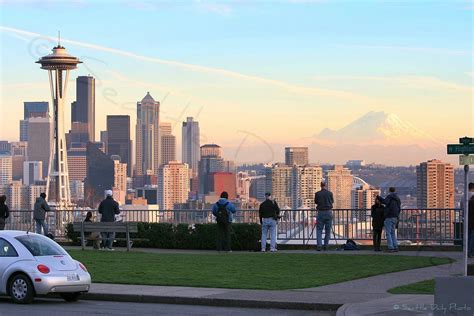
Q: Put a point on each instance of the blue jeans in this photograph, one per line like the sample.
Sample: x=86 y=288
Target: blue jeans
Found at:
x=41 y=225
x=108 y=240
x=470 y=250
x=269 y=224
x=324 y=220
x=389 y=225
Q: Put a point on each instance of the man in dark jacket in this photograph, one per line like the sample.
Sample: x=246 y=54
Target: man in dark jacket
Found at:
x=324 y=201
x=471 y=221
x=39 y=214
x=377 y=213
x=108 y=208
x=392 y=212
x=269 y=213
x=4 y=212
x=223 y=210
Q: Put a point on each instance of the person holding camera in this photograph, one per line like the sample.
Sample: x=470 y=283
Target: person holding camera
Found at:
x=269 y=213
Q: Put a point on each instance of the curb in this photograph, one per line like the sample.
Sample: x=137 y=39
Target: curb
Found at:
x=219 y=302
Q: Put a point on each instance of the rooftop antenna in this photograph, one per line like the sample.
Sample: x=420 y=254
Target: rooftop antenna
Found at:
x=59 y=38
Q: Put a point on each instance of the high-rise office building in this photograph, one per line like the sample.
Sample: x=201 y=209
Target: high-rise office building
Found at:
x=168 y=143
x=77 y=163
x=104 y=137
x=190 y=145
x=296 y=156
x=32 y=172
x=39 y=141
x=363 y=197
x=211 y=162
x=223 y=181
x=4 y=146
x=120 y=180
x=100 y=175
x=278 y=181
x=306 y=181
x=118 y=139
x=435 y=184
x=6 y=169
x=83 y=109
x=340 y=182
x=148 y=145
x=173 y=184
x=19 y=148
x=19 y=151
x=78 y=136
x=32 y=109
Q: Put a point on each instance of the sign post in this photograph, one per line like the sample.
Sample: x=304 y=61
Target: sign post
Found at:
x=464 y=148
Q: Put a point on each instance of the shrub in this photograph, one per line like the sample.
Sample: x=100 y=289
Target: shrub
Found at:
x=184 y=236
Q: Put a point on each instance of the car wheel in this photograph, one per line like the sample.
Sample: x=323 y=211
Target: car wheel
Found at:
x=21 y=289
x=70 y=297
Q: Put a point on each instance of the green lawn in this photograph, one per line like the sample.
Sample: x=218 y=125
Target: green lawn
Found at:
x=423 y=287
x=242 y=270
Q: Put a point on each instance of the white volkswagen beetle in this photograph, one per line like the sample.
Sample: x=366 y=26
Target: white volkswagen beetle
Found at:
x=32 y=264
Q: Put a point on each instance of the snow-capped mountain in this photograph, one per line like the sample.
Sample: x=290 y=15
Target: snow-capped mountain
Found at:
x=377 y=128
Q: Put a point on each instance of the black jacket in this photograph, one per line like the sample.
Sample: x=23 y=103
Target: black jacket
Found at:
x=323 y=200
x=108 y=208
x=392 y=205
x=4 y=212
x=269 y=209
x=377 y=214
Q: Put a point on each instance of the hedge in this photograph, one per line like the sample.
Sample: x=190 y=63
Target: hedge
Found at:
x=184 y=236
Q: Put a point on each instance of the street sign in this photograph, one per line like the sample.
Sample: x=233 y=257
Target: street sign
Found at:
x=466 y=140
x=466 y=160
x=458 y=149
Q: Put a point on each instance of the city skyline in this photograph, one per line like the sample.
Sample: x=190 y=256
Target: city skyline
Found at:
x=311 y=85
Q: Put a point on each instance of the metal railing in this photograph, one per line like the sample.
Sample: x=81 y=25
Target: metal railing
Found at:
x=419 y=226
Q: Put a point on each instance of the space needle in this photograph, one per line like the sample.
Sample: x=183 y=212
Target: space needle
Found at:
x=58 y=65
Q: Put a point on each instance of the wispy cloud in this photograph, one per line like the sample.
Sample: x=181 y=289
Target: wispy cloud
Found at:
x=425 y=82
x=424 y=50
x=297 y=89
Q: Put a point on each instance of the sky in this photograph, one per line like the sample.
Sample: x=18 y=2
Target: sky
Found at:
x=250 y=72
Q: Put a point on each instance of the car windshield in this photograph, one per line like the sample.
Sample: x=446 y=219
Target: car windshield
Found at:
x=40 y=245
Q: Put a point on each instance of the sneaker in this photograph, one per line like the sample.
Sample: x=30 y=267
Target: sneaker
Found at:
x=110 y=249
x=263 y=250
x=273 y=250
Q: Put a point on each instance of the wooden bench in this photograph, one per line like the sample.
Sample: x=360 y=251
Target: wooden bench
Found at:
x=112 y=227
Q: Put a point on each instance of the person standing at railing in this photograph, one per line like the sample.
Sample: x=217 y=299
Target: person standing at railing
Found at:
x=4 y=211
x=108 y=208
x=392 y=212
x=324 y=200
x=223 y=210
x=269 y=213
x=39 y=214
x=377 y=214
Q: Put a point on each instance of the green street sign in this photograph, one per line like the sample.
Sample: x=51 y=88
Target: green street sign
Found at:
x=458 y=149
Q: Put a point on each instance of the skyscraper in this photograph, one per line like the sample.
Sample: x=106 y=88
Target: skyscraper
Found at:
x=211 y=161
x=32 y=109
x=39 y=141
x=118 y=139
x=340 y=184
x=306 y=181
x=296 y=156
x=435 y=184
x=120 y=180
x=5 y=169
x=148 y=136
x=83 y=109
x=32 y=171
x=77 y=163
x=168 y=143
x=278 y=181
x=223 y=181
x=173 y=184
x=100 y=175
x=190 y=145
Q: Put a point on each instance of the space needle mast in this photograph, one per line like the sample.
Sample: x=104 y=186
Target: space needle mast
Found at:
x=58 y=65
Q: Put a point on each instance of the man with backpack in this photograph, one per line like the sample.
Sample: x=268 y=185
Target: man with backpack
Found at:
x=223 y=210
x=269 y=213
x=392 y=212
